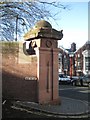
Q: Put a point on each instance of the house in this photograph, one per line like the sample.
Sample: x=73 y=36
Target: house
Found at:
x=82 y=59
x=75 y=62
x=63 y=60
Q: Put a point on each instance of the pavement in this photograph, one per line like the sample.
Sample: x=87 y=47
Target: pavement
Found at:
x=69 y=108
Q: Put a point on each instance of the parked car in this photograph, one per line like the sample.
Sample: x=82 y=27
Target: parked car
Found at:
x=76 y=80
x=81 y=80
x=86 y=80
x=64 y=79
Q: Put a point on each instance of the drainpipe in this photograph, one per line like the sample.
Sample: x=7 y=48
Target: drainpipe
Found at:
x=52 y=76
x=71 y=65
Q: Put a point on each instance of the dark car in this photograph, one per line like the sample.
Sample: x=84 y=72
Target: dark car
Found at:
x=81 y=80
x=75 y=80
x=86 y=80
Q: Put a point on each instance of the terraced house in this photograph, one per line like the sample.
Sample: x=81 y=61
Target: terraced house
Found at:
x=75 y=62
x=63 y=61
x=82 y=59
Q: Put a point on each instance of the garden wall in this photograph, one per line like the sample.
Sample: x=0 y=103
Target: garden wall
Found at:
x=19 y=79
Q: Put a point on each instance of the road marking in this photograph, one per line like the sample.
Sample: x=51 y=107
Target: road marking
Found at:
x=74 y=88
x=80 y=89
x=85 y=102
x=84 y=91
x=65 y=88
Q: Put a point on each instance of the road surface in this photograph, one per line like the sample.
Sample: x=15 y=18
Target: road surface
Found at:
x=75 y=92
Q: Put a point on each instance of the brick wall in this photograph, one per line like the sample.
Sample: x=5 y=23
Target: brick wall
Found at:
x=14 y=74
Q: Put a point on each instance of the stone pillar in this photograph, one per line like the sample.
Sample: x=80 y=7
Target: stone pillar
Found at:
x=44 y=42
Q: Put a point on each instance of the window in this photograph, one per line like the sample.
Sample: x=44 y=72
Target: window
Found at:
x=60 y=60
x=79 y=59
x=87 y=63
x=78 y=55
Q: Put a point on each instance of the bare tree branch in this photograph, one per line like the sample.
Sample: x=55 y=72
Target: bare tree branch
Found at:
x=26 y=14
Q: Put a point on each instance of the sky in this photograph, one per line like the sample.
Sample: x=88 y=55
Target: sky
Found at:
x=74 y=23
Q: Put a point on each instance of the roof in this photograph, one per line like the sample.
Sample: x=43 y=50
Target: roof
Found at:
x=87 y=43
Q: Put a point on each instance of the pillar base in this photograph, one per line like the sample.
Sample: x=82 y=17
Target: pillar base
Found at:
x=52 y=102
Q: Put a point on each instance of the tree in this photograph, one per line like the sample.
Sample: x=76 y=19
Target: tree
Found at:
x=17 y=17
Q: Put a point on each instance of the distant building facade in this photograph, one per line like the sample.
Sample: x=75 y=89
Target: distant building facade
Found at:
x=63 y=61
x=75 y=62
x=82 y=59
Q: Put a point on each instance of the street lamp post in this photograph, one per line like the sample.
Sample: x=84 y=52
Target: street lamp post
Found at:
x=17 y=25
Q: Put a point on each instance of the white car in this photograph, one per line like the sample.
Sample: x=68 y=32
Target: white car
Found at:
x=64 y=79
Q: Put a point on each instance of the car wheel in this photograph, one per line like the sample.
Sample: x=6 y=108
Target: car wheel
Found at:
x=81 y=82
x=88 y=84
x=73 y=84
